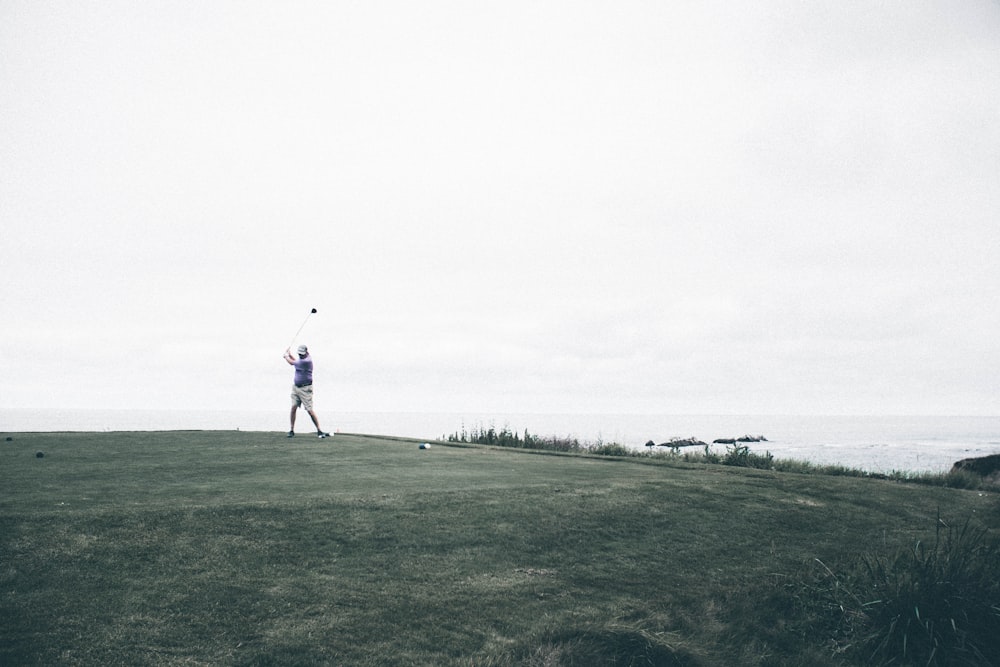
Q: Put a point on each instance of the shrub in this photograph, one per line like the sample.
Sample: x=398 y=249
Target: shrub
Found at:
x=709 y=456
x=611 y=449
x=740 y=455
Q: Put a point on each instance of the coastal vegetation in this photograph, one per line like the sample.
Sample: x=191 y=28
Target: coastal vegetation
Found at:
x=244 y=548
x=733 y=454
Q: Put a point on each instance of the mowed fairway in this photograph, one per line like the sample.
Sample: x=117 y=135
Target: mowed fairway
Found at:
x=234 y=548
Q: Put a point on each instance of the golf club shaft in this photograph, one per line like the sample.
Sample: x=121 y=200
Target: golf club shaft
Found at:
x=300 y=329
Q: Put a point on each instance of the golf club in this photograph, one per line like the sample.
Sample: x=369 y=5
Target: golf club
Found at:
x=300 y=328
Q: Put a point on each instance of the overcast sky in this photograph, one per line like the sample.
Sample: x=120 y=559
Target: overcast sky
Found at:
x=775 y=207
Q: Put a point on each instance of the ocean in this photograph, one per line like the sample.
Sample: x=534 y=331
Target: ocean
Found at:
x=875 y=443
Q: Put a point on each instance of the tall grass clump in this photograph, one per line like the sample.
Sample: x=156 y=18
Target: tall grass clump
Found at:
x=953 y=479
x=931 y=604
x=735 y=455
x=505 y=437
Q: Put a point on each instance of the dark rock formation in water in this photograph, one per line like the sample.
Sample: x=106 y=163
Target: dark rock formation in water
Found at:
x=745 y=438
x=683 y=442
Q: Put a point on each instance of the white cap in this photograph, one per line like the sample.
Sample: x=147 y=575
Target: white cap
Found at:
x=303 y=350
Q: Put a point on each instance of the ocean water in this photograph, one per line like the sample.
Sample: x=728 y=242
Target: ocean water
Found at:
x=879 y=444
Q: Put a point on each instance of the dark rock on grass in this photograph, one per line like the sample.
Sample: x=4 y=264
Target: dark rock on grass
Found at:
x=987 y=467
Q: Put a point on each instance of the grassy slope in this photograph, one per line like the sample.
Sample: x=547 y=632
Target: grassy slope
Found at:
x=247 y=548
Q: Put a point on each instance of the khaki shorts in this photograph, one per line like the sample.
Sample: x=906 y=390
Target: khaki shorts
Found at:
x=303 y=397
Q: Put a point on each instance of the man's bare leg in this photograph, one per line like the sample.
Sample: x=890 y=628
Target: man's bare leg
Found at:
x=315 y=419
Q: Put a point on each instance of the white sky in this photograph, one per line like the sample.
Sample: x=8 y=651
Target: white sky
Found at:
x=653 y=207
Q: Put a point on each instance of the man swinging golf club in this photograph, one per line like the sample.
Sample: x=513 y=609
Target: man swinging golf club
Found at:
x=302 y=392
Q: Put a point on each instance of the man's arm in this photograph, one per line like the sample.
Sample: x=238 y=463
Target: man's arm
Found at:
x=288 y=357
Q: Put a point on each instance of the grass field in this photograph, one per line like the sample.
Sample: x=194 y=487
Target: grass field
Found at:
x=241 y=548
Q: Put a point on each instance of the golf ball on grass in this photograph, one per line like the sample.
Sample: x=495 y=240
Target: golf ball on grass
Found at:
x=425 y=446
